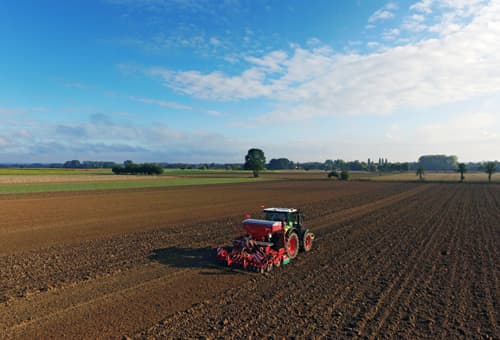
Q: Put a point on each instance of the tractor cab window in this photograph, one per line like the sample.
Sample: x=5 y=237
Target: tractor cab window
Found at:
x=275 y=216
x=292 y=218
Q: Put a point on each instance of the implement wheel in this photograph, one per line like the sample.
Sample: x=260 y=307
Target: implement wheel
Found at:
x=292 y=245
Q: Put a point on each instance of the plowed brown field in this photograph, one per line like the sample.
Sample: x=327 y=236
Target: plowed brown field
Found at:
x=390 y=260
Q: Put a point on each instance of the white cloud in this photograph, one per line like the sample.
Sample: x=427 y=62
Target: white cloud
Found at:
x=163 y=103
x=216 y=85
x=380 y=15
x=373 y=44
x=391 y=34
x=319 y=82
x=313 y=42
x=215 y=42
x=452 y=14
x=173 y=105
x=424 y=6
x=273 y=62
x=383 y=13
x=49 y=142
x=214 y=113
x=392 y=6
x=415 y=23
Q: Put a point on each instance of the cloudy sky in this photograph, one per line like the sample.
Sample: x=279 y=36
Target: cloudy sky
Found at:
x=204 y=81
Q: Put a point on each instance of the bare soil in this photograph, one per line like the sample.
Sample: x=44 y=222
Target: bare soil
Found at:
x=390 y=260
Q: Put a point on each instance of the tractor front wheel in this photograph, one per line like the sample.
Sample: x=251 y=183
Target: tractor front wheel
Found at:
x=292 y=245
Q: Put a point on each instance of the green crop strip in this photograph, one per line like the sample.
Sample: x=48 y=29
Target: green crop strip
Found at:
x=58 y=187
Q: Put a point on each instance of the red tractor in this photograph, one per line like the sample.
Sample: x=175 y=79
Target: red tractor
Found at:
x=261 y=245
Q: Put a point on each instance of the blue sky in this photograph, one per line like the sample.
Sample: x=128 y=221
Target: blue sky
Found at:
x=204 y=81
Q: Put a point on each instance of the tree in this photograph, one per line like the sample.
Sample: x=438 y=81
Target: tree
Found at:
x=490 y=168
x=344 y=175
x=131 y=168
x=462 y=169
x=339 y=164
x=118 y=169
x=329 y=165
x=255 y=161
x=438 y=162
x=279 y=164
x=74 y=164
x=333 y=173
x=420 y=172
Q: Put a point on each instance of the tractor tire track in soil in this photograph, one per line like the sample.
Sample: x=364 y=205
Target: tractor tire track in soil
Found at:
x=390 y=260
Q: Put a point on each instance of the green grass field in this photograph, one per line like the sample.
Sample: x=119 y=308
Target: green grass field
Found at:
x=58 y=187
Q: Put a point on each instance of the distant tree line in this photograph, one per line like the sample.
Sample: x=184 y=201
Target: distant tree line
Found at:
x=427 y=162
x=381 y=165
x=281 y=164
x=32 y=165
x=338 y=164
x=76 y=164
x=202 y=166
x=450 y=163
x=73 y=164
x=130 y=168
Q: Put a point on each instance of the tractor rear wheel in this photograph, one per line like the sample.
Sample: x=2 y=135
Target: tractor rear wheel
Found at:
x=292 y=245
x=307 y=241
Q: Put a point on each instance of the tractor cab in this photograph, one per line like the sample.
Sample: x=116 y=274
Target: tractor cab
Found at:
x=290 y=216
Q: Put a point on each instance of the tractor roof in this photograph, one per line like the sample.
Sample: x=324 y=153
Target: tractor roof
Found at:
x=280 y=210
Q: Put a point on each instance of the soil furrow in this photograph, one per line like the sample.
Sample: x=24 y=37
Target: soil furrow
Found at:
x=379 y=313
x=404 y=312
x=358 y=258
x=488 y=265
x=362 y=261
x=439 y=272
